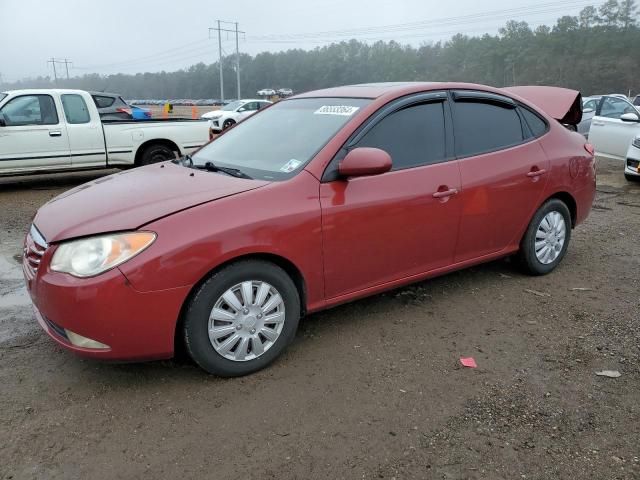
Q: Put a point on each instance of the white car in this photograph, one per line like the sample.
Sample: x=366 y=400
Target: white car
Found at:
x=233 y=113
x=614 y=127
x=632 y=162
x=52 y=130
x=285 y=92
x=266 y=92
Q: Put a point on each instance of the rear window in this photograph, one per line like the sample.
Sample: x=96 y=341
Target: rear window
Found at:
x=102 y=101
x=536 y=124
x=482 y=127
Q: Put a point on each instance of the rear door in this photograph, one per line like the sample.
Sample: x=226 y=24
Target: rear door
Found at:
x=610 y=135
x=86 y=140
x=503 y=171
x=388 y=227
x=34 y=135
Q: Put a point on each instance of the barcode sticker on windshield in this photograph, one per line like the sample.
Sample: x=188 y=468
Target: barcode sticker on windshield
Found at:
x=290 y=166
x=344 y=110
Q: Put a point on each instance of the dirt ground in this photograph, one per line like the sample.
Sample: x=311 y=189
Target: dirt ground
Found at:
x=372 y=389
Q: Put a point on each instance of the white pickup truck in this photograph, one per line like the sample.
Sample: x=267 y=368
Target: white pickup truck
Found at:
x=60 y=130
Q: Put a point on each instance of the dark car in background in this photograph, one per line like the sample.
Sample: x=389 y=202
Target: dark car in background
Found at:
x=111 y=106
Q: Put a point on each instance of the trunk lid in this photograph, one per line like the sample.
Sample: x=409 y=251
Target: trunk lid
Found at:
x=563 y=104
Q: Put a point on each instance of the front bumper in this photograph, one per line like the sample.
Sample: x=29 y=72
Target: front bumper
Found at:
x=133 y=325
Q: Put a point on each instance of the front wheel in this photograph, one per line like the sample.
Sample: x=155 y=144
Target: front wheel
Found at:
x=228 y=124
x=545 y=242
x=242 y=318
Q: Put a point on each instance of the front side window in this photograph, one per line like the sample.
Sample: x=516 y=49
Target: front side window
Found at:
x=482 y=127
x=412 y=136
x=30 y=110
x=613 y=107
x=250 y=145
x=75 y=109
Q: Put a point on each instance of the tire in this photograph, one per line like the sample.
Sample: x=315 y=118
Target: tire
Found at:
x=549 y=254
x=222 y=355
x=155 y=153
x=228 y=124
x=632 y=178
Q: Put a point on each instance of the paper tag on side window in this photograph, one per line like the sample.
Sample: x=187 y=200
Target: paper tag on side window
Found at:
x=290 y=166
x=344 y=110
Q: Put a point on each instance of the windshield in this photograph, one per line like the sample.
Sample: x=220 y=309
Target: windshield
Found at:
x=232 y=105
x=278 y=142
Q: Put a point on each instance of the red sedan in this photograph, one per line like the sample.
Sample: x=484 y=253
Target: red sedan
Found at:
x=317 y=200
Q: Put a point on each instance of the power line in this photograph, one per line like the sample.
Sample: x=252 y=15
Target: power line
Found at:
x=461 y=19
x=219 y=29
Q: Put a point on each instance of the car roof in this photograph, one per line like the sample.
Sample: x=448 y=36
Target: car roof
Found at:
x=391 y=89
x=41 y=91
x=105 y=94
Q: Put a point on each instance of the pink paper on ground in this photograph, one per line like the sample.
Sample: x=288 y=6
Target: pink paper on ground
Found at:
x=468 y=362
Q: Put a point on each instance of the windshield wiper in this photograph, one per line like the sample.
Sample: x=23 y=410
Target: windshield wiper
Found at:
x=234 y=172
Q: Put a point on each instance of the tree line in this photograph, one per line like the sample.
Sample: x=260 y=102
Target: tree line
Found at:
x=596 y=51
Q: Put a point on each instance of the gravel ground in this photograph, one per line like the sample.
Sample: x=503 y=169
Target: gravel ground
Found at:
x=372 y=389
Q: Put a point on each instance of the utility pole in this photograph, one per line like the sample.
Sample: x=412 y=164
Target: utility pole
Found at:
x=237 y=62
x=55 y=75
x=66 y=66
x=219 y=29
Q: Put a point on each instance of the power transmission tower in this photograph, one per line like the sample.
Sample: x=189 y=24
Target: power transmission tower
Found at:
x=219 y=29
x=55 y=75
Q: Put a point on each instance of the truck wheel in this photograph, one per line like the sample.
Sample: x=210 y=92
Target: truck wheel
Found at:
x=242 y=318
x=227 y=124
x=156 y=153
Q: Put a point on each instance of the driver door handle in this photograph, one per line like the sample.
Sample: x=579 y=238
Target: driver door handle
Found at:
x=445 y=193
x=536 y=173
x=55 y=133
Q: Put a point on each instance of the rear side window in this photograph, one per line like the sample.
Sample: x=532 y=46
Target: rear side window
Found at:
x=75 y=109
x=481 y=127
x=102 y=101
x=413 y=136
x=30 y=110
x=537 y=125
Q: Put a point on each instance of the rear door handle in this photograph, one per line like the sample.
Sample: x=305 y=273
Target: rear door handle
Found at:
x=445 y=193
x=536 y=173
x=55 y=133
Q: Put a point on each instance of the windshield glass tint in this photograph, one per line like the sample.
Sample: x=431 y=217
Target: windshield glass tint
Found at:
x=232 y=105
x=278 y=142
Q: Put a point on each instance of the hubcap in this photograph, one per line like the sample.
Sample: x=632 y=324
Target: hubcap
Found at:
x=246 y=320
x=550 y=237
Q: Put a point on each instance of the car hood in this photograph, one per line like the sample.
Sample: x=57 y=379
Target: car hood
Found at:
x=213 y=114
x=133 y=198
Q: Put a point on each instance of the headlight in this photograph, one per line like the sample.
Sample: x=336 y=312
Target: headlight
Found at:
x=636 y=142
x=90 y=256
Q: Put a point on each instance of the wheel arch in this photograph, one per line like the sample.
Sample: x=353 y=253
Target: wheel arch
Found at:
x=155 y=141
x=287 y=265
x=569 y=201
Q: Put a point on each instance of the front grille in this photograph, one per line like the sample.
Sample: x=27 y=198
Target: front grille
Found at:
x=34 y=248
x=633 y=163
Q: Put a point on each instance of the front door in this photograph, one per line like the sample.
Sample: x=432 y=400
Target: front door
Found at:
x=609 y=135
x=86 y=140
x=388 y=227
x=33 y=135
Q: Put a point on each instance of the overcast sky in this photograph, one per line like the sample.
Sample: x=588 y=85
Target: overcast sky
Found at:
x=151 y=35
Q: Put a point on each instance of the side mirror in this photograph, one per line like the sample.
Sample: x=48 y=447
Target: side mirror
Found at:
x=588 y=110
x=364 y=161
x=630 y=117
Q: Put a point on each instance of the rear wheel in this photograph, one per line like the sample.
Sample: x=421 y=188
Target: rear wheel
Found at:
x=242 y=318
x=155 y=153
x=632 y=178
x=546 y=240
